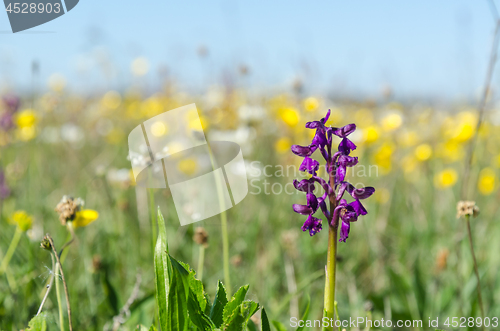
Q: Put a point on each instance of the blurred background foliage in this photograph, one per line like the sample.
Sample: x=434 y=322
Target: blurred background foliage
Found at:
x=407 y=259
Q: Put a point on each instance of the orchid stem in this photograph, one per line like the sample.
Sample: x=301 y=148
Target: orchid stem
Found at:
x=476 y=270
x=10 y=251
x=330 y=274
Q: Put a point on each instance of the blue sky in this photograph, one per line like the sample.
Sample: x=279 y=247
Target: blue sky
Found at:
x=423 y=48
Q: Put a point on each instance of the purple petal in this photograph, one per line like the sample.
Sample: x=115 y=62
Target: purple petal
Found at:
x=305 y=185
x=345 y=130
x=360 y=193
x=313 y=125
x=309 y=165
x=320 y=138
x=349 y=215
x=303 y=150
x=358 y=207
x=346 y=146
x=344 y=231
x=303 y=210
x=348 y=161
x=341 y=172
x=324 y=209
x=336 y=213
x=325 y=119
x=323 y=183
x=312 y=202
x=342 y=188
x=312 y=224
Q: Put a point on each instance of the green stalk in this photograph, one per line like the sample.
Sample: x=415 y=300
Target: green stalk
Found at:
x=152 y=209
x=476 y=270
x=10 y=251
x=201 y=261
x=225 y=251
x=337 y=312
x=331 y=261
x=223 y=219
x=330 y=274
x=59 y=301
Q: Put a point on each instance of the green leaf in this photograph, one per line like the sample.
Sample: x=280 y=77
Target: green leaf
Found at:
x=171 y=285
x=265 y=321
x=38 y=323
x=196 y=314
x=196 y=286
x=152 y=328
x=306 y=313
x=142 y=328
x=235 y=301
x=218 y=305
x=279 y=326
x=251 y=326
x=239 y=319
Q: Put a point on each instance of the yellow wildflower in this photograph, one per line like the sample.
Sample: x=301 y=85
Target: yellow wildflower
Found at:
x=283 y=145
x=22 y=220
x=311 y=104
x=383 y=157
x=84 y=218
x=392 y=121
x=187 y=166
x=487 y=181
x=26 y=118
x=371 y=134
x=446 y=178
x=159 y=129
x=423 y=152
x=290 y=116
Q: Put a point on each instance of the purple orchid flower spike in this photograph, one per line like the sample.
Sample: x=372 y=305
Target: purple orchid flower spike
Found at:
x=341 y=213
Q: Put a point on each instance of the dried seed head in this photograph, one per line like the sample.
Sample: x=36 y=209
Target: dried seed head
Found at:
x=45 y=244
x=467 y=208
x=67 y=208
x=200 y=236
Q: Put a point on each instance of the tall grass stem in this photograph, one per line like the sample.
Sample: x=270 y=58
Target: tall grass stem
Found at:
x=476 y=269
x=59 y=301
x=201 y=262
x=49 y=286
x=66 y=292
x=10 y=250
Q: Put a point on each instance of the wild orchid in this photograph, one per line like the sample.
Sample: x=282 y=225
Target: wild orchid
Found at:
x=340 y=212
